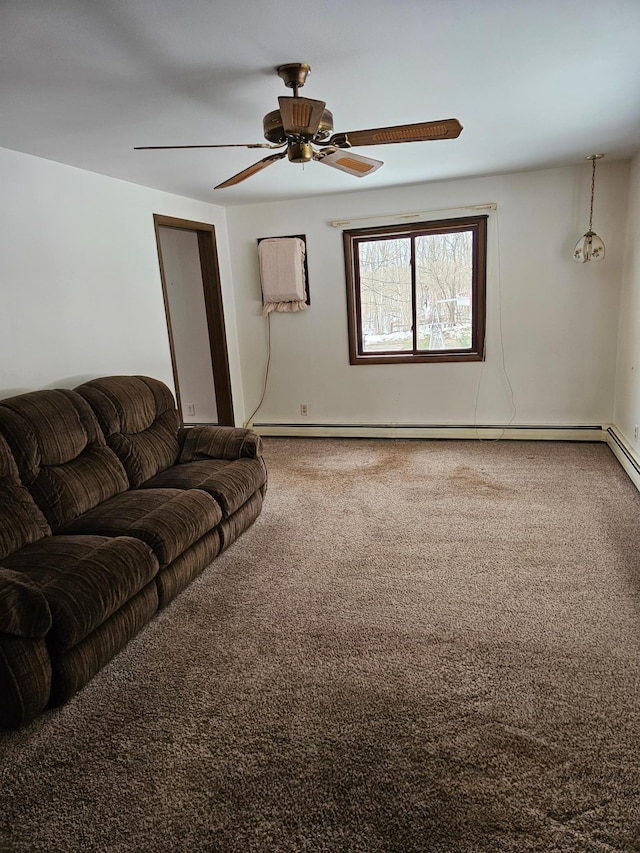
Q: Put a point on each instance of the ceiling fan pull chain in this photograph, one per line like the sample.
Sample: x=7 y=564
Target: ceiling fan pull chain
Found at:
x=593 y=186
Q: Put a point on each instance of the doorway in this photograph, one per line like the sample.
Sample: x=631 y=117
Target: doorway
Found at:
x=195 y=320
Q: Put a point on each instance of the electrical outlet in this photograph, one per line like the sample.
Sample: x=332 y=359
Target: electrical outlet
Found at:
x=191 y=408
x=304 y=409
x=635 y=432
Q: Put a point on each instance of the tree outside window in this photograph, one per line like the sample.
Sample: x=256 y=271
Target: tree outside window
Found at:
x=417 y=293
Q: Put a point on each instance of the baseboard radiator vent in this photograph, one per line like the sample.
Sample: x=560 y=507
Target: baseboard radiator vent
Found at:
x=486 y=432
x=625 y=455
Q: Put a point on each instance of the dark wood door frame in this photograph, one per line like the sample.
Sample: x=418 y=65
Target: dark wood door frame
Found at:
x=212 y=289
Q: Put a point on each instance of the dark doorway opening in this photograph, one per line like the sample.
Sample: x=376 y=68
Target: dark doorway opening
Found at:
x=192 y=295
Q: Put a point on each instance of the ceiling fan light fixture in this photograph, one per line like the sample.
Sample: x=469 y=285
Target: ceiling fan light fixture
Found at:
x=299 y=152
x=590 y=247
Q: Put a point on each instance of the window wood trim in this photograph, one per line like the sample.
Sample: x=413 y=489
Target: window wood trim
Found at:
x=476 y=352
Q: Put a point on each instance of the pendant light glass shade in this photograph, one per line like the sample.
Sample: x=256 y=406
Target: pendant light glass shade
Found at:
x=590 y=247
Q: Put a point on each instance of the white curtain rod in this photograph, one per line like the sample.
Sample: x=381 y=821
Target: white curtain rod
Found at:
x=338 y=223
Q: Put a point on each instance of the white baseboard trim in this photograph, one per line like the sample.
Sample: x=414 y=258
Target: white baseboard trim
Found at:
x=625 y=455
x=483 y=432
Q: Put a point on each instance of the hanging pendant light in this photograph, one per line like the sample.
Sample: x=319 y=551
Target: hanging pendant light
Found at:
x=590 y=247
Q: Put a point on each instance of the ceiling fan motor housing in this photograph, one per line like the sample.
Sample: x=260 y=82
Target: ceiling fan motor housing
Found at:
x=274 y=131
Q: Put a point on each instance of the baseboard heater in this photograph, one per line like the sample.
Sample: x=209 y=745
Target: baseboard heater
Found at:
x=625 y=455
x=523 y=432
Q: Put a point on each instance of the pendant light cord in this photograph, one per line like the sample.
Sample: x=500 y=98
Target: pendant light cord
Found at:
x=593 y=186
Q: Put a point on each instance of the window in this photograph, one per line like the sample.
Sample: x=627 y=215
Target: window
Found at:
x=417 y=292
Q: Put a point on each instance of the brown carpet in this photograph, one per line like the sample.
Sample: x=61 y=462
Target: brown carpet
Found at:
x=419 y=646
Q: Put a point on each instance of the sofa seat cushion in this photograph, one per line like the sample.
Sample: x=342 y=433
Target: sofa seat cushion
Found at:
x=168 y=520
x=231 y=483
x=84 y=580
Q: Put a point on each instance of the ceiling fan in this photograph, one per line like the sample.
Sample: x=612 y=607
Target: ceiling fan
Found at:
x=302 y=123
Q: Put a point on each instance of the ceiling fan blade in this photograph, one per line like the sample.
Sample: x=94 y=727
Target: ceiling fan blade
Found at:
x=448 y=128
x=354 y=164
x=301 y=116
x=252 y=170
x=232 y=145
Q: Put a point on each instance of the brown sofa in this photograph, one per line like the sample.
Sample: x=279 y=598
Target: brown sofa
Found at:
x=108 y=509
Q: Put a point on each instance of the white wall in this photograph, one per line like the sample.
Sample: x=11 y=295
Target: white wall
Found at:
x=82 y=298
x=81 y=290
x=551 y=323
x=627 y=398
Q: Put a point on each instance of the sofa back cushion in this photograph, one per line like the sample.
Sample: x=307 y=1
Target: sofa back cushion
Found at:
x=21 y=522
x=139 y=418
x=61 y=453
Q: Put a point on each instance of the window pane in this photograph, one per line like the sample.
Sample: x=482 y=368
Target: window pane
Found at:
x=416 y=292
x=444 y=288
x=385 y=295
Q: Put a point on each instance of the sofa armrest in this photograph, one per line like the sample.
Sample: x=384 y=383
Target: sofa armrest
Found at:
x=24 y=611
x=218 y=442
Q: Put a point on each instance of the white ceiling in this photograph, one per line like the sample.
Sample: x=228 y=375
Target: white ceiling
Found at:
x=534 y=85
